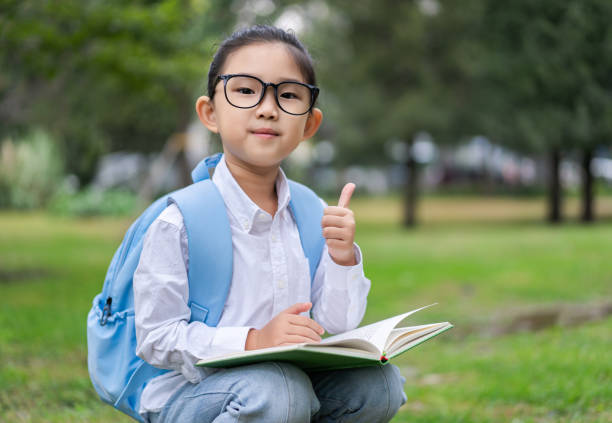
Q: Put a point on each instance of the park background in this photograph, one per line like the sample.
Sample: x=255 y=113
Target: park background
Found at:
x=478 y=132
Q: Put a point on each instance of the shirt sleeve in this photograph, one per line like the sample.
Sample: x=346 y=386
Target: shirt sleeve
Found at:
x=165 y=337
x=339 y=293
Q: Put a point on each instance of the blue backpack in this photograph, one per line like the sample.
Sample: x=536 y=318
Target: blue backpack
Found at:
x=117 y=374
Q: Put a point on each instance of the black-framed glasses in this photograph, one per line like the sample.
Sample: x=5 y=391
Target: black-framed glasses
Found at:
x=247 y=91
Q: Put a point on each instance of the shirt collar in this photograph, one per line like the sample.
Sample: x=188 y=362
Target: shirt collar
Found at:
x=239 y=205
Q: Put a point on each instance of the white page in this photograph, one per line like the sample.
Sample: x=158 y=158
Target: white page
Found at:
x=375 y=333
x=352 y=343
x=420 y=340
x=400 y=336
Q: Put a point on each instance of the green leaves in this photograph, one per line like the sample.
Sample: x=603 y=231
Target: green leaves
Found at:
x=545 y=60
x=104 y=75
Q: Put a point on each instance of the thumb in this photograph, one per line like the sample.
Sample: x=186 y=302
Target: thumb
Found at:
x=345 y=195
x=298 y=308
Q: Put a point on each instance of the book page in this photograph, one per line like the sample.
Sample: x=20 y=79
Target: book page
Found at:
x=349 y=343
x=401 y=336
x=399 y=349
x=375 y=333
x=364 y=348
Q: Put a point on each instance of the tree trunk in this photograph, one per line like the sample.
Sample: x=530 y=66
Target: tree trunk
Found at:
x=411 y=192
x=587 y=186
x=554 y=193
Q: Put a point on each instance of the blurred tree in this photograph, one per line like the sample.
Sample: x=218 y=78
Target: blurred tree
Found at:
x=531 y=75
x=104 y=76
x=546 y=82
x=392 y=70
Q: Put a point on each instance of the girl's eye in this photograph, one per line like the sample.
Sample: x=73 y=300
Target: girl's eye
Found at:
x=290 y=96
x=245 y=91
x=290 y=91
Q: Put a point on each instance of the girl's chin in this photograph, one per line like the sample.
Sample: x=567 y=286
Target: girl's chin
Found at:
x=261 y=160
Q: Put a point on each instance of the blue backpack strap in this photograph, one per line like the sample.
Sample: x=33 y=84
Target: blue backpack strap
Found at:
x=202 y=171
x=307 y=211
x=305 y=206
x=210 y=249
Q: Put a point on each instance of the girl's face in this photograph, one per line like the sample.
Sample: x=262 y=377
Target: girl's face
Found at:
x=262 y=136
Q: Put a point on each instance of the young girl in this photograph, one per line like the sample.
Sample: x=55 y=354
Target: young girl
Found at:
x=261 y=93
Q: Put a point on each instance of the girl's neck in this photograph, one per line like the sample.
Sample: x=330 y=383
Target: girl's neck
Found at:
x=259 y=184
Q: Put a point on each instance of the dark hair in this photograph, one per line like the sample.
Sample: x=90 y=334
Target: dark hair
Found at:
x=260 y=34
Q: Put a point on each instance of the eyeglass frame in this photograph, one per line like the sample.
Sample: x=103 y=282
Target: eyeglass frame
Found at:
x=314 y=91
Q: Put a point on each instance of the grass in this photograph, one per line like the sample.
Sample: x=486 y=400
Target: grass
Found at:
x=482 y=261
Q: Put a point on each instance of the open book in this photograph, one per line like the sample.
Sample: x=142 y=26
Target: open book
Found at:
x=374 y=344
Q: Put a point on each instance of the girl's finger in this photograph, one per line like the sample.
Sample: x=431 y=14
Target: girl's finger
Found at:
x=295 y=339
x=304 y=331
x=297 y=308
x=336 y=233
x=336 y=244
x=330 y=220
x=336 y=211
x=345 y=195
x=308 y=322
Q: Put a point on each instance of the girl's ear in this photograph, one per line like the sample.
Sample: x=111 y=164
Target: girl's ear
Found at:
x=206 y=113
x=312 y=124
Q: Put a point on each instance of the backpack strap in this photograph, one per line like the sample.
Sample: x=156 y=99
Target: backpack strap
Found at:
x=307 y=211
x=211 y=263
x=202 y=170
x=305 y=206
x=210 y=249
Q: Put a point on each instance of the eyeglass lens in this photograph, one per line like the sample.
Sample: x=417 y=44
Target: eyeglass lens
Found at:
x=246 y=92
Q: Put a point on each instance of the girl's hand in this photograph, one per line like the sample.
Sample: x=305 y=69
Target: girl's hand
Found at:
x=339 y=229
x=287 y=328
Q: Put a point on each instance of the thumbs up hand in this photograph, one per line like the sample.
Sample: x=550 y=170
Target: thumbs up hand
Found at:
x=338 y=225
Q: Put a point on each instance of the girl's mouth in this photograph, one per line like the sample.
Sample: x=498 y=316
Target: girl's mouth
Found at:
x=265 y=132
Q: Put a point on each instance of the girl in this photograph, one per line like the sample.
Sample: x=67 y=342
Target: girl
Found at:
x=261 y=95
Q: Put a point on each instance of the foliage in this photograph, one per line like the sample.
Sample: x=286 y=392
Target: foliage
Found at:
x=103 y=76
x=390 y=70
x=544 y=73
x=31 y=169
x=530 y=75
x=50 y=269
x=92 y=202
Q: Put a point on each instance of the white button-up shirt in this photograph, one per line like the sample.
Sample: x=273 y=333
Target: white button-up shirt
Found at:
x=270 y=273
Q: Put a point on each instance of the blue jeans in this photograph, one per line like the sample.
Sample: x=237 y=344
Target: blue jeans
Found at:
x=274 y=392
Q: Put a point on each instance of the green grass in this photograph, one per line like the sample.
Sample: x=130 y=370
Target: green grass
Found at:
x=472 y=270
x=478 y=270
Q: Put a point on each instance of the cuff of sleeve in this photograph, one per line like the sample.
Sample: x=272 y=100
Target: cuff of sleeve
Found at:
x=344 y=275
x=230 y=338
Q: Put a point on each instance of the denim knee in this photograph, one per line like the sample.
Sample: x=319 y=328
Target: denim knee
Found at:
x=264 y=392
x=385 y=393
x=284 y=393
x=395 y=381
x=369 y=394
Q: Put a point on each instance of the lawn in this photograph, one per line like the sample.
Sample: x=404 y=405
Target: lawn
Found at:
x=484 y=261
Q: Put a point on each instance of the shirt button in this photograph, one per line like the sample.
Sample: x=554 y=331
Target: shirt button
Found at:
x=273 y=237
x=281 y=283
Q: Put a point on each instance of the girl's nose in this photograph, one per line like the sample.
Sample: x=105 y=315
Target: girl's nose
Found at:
x=267 y=108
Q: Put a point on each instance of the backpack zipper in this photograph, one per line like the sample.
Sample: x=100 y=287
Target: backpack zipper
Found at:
x=106 y=311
